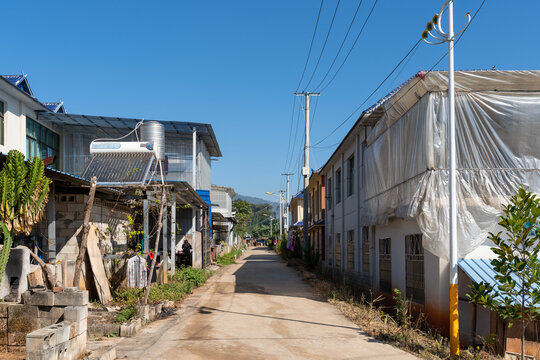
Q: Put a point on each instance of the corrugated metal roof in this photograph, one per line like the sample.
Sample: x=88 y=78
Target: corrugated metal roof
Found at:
x=205 y=131
x=14 y=79
x=20 y=82
x=56 y=107
x=119 y=168
x=481 y=270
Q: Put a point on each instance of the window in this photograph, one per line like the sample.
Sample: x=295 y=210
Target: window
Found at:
x=385 y=265
x=350 y=250
x=330 y=251
x=338 y=186
x=2 y=110
x=41 y=142
x=350 y=176
x=365 y=249
x=338 y=250
x=414 y=267
x=329 y=193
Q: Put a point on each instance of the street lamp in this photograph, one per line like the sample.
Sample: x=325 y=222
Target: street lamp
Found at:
x=280 y=208
x=435 y=31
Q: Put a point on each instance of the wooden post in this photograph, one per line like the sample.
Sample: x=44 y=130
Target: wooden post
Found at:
x=85 y=231
x=153 y=266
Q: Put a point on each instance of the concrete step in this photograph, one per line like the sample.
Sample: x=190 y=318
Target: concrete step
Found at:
x=103 y=352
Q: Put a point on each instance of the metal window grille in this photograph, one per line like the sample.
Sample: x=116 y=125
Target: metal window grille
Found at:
x=365 y=249
x=338 y=250
x=385 y=265
x=414 y=267
x=350 y=250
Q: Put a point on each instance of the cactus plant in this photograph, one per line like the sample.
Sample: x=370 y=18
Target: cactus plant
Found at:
x=24 y=191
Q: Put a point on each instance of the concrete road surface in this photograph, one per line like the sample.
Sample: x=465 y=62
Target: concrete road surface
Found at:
x=256 y=309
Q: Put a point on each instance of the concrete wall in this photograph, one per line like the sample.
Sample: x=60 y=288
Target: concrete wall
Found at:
x=111 y=222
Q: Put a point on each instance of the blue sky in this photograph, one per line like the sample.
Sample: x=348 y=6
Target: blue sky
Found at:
x=235 y=64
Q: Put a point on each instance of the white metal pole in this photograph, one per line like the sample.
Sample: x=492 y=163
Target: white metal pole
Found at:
x=454 y=315
x=287 y=203
x=173 y=233
x=305 y=172
x=194 y=245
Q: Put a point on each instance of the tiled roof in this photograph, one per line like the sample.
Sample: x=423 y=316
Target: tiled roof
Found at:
x=55 y=106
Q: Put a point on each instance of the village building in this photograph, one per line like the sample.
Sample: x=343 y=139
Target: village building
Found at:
x=387 y=187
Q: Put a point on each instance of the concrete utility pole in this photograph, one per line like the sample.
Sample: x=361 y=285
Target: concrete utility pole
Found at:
x=435 y=31
x=287 y=205
x=281 y=208
x=305 y=169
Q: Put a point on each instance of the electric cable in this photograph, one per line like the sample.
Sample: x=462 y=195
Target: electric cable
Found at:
x=311 y=45
x=341 y=46
x=324 y=45
x=352 y=47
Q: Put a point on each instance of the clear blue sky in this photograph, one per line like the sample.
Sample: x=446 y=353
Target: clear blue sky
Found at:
x=235 y=64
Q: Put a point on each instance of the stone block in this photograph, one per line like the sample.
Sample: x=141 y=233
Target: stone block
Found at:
x=3 y=331
x=77 y=346
x=50 y=312
x=77 y=328
x=4 y=309
x=22 y=320
x=73 y=298
x=39 y=298
x=75 y=313
x=41 y=339
x=44 y=322
x=151 y=313
x=49 y=354
x=159 y=308
x=143 y=312
x=131 y=328
x=62 y=331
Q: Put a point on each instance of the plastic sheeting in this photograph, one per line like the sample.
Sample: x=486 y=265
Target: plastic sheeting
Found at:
x=405 y=158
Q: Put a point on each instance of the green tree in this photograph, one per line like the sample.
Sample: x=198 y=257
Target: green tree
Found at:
x=24 y=191
x=243 y=214
x=517 y=296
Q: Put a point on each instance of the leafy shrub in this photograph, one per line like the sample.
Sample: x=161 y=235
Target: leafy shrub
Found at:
x=125 y=314
x=196 y=277
x=229 y=258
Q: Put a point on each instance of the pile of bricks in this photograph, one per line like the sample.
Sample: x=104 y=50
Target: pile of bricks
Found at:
x=61 y=320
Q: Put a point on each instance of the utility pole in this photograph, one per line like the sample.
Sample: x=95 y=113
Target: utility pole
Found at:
x=434 y=30
x=305 y=169
x=281 y=207
x=287 y=205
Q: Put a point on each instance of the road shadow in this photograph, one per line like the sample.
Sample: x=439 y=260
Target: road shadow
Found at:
x=264 y=272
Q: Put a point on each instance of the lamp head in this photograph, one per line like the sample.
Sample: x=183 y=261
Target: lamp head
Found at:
x=429 y=26
x=425 y=34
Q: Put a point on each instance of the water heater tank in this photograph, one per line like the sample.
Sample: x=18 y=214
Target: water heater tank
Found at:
x=155 y=132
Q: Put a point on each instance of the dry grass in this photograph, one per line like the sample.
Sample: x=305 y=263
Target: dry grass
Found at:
x=377 y=323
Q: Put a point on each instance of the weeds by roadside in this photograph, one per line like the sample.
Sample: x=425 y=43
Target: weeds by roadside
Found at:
x=176 y=289
x=396 y=327
x=229 y=258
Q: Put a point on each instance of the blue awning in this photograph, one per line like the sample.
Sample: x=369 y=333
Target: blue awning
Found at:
x=481 y=270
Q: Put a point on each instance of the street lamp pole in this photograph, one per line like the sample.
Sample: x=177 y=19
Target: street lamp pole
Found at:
x=434 y=30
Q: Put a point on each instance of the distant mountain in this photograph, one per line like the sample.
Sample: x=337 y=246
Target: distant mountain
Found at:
x=254 y=200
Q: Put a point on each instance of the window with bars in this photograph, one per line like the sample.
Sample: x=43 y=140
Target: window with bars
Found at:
x=385 y=265
x=329 y=193
x=350 y=250
x=330 y=251
x=2 y=110
x=338 y=186
x=365 y=249
x=350 y=176
x=338 y=250
x=414 y=268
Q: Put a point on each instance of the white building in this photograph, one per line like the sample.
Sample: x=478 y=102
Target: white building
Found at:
x=223 y=215
x=387 y=192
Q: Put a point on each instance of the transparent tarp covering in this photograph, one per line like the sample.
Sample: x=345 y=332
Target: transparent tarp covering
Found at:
x=406 y=170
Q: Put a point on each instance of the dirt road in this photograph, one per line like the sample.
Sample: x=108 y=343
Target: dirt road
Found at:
x=256 y=309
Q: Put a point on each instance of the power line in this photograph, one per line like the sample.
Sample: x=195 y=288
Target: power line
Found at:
x=370 y=95
x=324 y=45
x=310 y=46
x=341 y=46
x=290 y=133
x=352 y=47
x=419 y=79
x=295 y=136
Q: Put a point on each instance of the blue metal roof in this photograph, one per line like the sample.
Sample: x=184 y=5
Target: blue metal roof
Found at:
x=298 y=223
x=481 y=270
x=14 y=79
x=55 y=106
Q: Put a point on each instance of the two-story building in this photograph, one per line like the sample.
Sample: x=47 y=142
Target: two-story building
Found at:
x=387 y=185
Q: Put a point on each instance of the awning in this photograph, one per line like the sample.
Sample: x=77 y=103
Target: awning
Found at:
x=186 y=195
x=481 y=270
